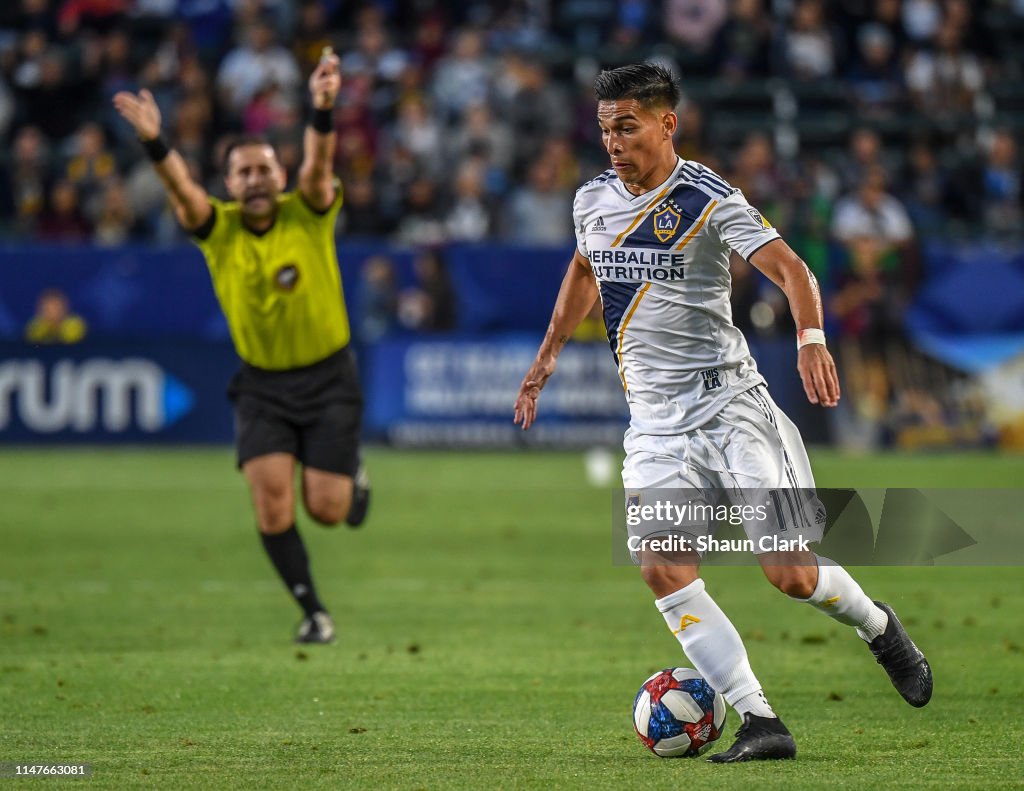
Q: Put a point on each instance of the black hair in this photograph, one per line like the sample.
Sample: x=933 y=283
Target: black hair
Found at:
x=241 y=141
x=647 y=83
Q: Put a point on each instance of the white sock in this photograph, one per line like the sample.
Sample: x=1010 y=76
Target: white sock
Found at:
x=839 y=596
x=713 y=645
x=754 y=703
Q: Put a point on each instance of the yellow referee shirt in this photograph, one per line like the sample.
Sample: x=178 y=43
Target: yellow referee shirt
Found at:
x=280 y=290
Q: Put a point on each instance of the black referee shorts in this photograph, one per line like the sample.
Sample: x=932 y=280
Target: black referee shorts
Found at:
x=313 y=413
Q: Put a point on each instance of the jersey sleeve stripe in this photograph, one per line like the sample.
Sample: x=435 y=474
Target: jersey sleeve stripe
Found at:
x=707 y=174
x=711 y=186
x=640 y=215
x=608 y=175
x=711 y=179
x=696 y=228
x=707 y=179
x=622 y=332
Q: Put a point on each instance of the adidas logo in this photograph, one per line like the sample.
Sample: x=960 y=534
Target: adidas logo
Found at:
x=819 y=516
x=598 y=225
x=704 y=732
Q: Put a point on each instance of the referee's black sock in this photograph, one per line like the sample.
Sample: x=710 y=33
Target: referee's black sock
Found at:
x=288 y=554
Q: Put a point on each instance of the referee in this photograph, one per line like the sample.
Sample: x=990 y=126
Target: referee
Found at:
x=274 y=267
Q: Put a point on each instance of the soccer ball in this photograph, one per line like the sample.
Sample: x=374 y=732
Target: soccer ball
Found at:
x=677 y=714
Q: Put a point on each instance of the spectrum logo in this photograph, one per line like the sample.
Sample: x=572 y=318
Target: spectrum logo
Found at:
x=86 y=395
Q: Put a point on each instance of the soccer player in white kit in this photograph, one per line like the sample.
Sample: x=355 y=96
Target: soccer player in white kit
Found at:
x=654 y=235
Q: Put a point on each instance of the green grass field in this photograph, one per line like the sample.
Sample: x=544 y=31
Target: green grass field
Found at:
x=486 y=639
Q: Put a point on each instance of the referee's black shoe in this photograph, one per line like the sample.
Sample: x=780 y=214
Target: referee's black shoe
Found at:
x=360 y=498
x=316 y=628
x=908 y=670
x=758 y=739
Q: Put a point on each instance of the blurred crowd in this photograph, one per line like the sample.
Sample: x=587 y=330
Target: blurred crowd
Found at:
x=475 y=120
x=858 y=127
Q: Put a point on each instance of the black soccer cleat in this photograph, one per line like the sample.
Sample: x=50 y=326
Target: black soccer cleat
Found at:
x=758 y=739
x=316 y=628
x=360 y=498
x=908 y=670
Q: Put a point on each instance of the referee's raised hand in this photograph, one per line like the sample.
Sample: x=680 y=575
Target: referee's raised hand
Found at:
x=325 y=81
x=140 y=110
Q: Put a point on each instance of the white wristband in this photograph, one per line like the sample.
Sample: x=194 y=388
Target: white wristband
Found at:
x=809 y=336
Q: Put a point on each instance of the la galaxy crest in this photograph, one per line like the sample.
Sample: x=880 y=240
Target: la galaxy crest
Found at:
x=666 y=223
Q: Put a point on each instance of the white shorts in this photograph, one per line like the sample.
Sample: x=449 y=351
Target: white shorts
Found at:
x=750 y=452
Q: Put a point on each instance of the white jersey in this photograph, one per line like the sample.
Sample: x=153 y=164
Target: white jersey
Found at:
x=661 y=261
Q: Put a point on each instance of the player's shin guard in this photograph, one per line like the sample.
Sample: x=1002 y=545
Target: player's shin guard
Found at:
x=711 y=643
x=839 y=596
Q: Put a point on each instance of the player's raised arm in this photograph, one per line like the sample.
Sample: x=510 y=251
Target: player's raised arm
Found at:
x=191 y=205
x=316 y=175
x=817 y=369
x=576 y=297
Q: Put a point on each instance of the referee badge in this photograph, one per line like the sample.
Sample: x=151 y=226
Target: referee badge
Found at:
x=286 y=277
x=666 y=223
